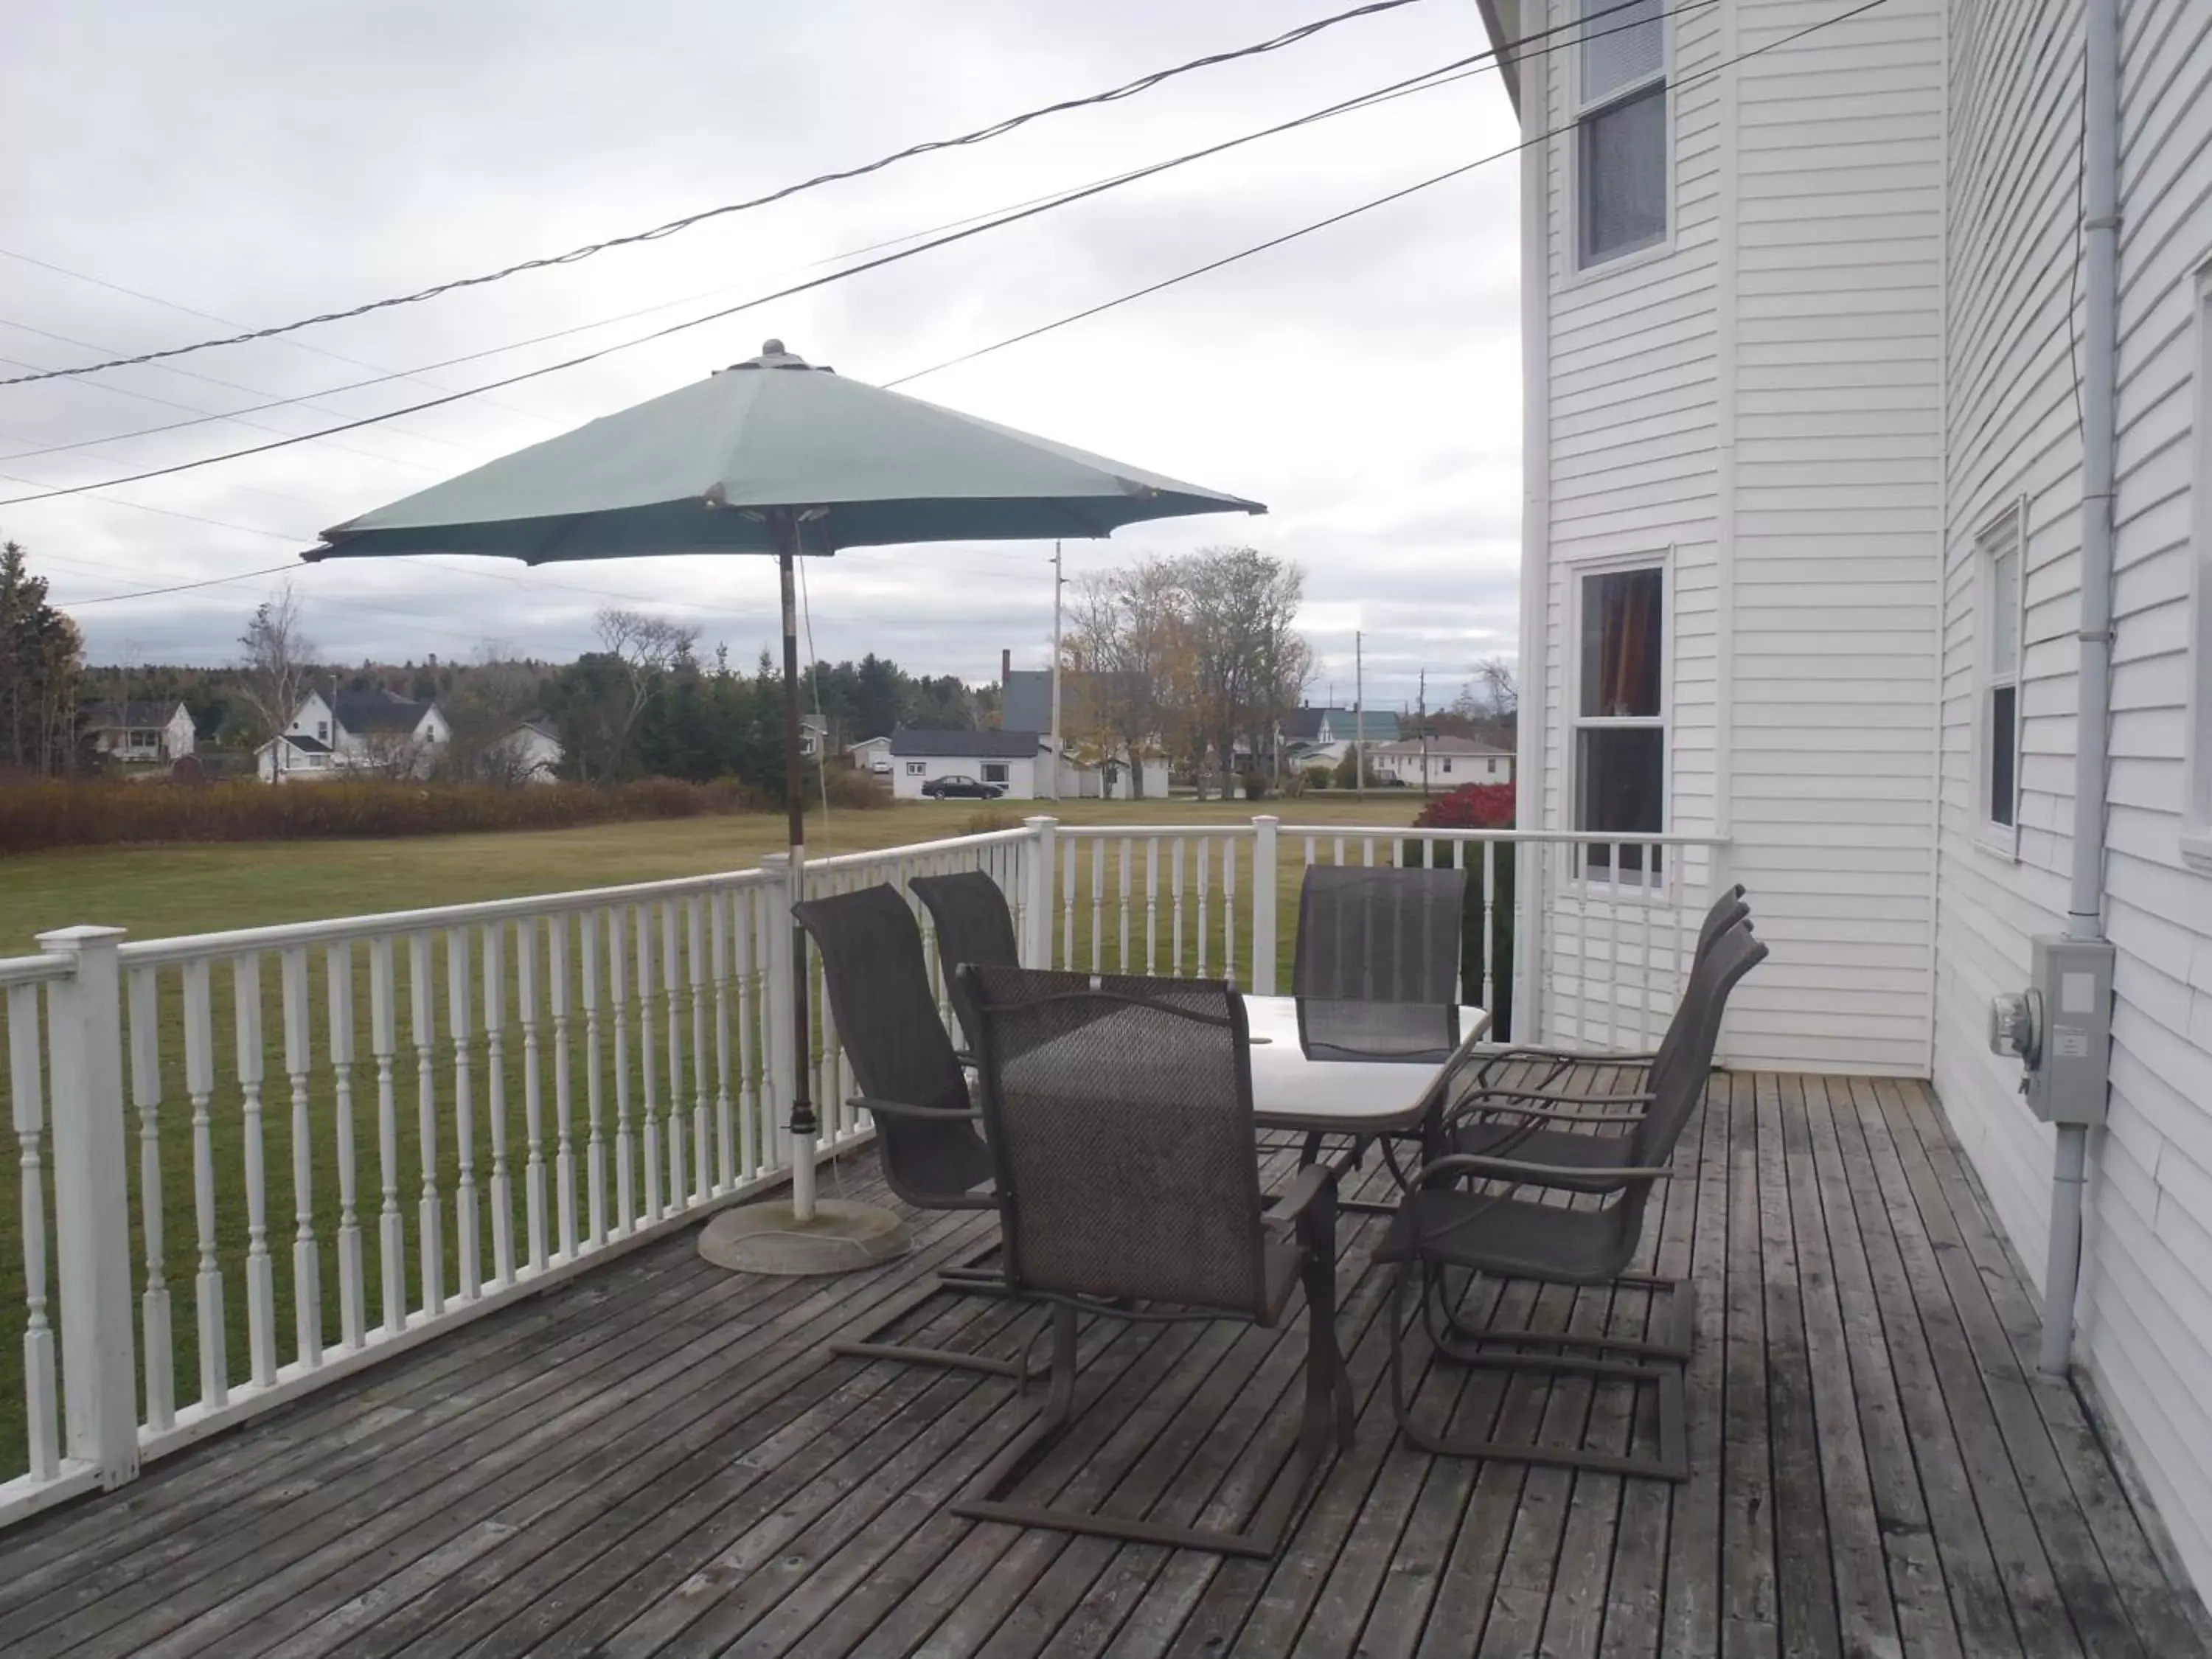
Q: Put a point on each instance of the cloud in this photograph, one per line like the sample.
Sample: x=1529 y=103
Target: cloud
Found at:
x=257 y=160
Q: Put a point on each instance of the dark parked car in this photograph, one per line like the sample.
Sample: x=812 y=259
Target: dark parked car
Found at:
x=960 y=787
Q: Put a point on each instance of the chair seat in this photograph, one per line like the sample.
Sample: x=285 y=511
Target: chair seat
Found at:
x=1561 y=1148
x=1505 y=1236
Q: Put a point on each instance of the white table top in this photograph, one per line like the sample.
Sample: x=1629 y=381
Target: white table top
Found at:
x=1291 y=1090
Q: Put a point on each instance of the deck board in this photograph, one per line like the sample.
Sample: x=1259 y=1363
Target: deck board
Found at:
x=660 y=1458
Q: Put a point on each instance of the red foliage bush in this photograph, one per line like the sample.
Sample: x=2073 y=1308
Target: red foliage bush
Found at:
x=36 y=816
x=1470 y=806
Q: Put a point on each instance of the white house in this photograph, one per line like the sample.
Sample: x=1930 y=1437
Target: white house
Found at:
x=373 y=732
x=155 y=730
x=1323 y=737
x=871 y=755
x=1831 y=321
x=1014 y=761
x=1088 y=771
x=531 y=752
x=1440 y=762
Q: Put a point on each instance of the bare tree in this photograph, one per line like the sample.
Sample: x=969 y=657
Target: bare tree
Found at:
x=1126 y=644
x=277 y=667
x=1248 y=662
x=1491 y=701
x=646 y=649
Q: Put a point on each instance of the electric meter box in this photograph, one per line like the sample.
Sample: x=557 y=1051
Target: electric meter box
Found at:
x=2068 y=1076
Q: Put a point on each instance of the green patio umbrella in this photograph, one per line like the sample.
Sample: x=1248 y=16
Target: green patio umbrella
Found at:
x=774 y=456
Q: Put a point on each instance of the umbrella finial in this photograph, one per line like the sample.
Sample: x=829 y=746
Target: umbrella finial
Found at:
x=771 y=348
x=773 y=355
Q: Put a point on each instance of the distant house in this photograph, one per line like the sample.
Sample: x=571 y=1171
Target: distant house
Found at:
x=1440 y=763
x=529 y=753
x=1025 y=705
x=812 y=730
x=372 y=732
x=1015 y=761
x=1322 y=737
x=156 y=729
x=873 y=755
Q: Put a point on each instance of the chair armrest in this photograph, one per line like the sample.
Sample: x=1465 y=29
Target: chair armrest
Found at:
x=1547 y=1113
x=1531 y=1174
x=1579 y=1056
x=876 y=1108
x=1313 y=1182
x=1551 y=1099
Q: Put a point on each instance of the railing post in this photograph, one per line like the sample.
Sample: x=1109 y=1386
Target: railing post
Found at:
x=84 y=1027
x=1265 y=900
x=782 y=1061
x=1041 y=880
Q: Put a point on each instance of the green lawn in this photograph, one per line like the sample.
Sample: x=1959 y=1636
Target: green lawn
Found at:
x=161 y=891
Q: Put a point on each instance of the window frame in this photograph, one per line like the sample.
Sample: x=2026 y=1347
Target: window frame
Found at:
x=917 y=769
x=1999 y=837
x=1004 y=768
x=2196 y=771
x=1579 y=572
x=1579 y=110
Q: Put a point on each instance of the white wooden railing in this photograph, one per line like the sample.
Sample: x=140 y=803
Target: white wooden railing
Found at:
x=475 y=1101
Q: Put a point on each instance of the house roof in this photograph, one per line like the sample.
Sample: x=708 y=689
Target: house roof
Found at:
x=157 y=711
x=1025 y=701
x=1414 y=746
x=1302 y=725
x=378 y=711
x=965 y=745
x=301 y=741
x=864 y=742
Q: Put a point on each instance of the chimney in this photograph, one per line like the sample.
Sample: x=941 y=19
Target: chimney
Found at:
x=1005 y=669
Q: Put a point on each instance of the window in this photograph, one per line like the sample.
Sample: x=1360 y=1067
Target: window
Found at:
x=994 y=771
x=1446 y=765
x=1997 y=552
x=2196 y=817
x=1490 y=767
x=322 y=731
x=917 y=769
x=1620 y=725
x=1620 y=130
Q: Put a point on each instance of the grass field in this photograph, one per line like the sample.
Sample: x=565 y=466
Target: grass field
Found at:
x=161 y=891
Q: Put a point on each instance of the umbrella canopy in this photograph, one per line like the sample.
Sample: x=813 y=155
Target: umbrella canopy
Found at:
x=701 y=470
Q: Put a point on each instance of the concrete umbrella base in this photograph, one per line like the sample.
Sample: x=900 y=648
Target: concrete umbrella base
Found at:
x=769 y=1238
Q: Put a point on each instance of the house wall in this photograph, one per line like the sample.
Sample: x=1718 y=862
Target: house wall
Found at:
x=906 y=784
x=1757 y=407
x=2145 y=1305
x=1445 y=771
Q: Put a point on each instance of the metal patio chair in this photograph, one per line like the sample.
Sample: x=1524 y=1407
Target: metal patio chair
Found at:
x=1504 y=1228
x=1119 y=1115
x=974 y=923
x=929 y=1132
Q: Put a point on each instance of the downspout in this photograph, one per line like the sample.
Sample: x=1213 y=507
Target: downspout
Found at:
x=2100 y=228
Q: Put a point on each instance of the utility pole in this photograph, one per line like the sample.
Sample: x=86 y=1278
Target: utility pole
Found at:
x=1058 y=581
x=1421 y=720
x=1359 y=714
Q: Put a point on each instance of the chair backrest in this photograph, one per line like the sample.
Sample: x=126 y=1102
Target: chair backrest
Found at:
x=1730 y=908
x=973 y=923
x=1729 y=912
x=1379 y=934
x=1119 y=1114
x=876 y=979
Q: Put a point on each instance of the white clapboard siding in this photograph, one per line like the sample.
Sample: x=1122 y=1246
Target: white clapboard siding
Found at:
x=2146 y=1302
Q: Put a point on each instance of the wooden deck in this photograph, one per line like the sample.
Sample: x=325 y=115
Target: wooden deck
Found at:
x=662 y=1458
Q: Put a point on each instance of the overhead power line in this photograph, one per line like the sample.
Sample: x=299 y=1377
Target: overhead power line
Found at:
x=1349 y=213
x=980 y=135
x=1000 y=221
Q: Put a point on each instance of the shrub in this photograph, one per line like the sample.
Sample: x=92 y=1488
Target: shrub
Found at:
x=36 y=816
x=990 y=822
x=1470 y=806
x=1255 y=786
x=854 y=790
x=1318 y=777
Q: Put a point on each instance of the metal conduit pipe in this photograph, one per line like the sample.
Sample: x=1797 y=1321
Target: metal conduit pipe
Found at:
x=2100 y=228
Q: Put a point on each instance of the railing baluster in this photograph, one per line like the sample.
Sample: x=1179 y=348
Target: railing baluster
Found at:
x=595 y=1159
x=1229 y=907
x=461 y=1018
x=564 y=1082
x=260 y=1271
x=1098 y=905
x=703 y=1102
x=624 y=1219
x=353 y=1284
x=1643 y=979
x=384 y=1043
x=1204 y=876
x=1151 y=904
x=1340 y=849
x=1123 y=905
x=745 y=904
x=648 y=1064
x=146 y=1095
x=1486 y=855
x=533 y=1092
x=503 y=1184
x=1068 y=903
x=430 y=1224
x=672 y=998
x=26 y=1083
x=307 y=1260
x=1175 y=879
x=1612 y=946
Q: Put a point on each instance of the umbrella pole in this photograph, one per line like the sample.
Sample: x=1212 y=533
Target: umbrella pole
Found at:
x=804 y=1125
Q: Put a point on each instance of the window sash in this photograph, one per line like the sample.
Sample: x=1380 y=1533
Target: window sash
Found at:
x=1621 y=47
x=2000 y=552
x=1622 y=168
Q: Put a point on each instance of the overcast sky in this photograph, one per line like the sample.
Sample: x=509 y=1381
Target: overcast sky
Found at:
x=257 y=160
